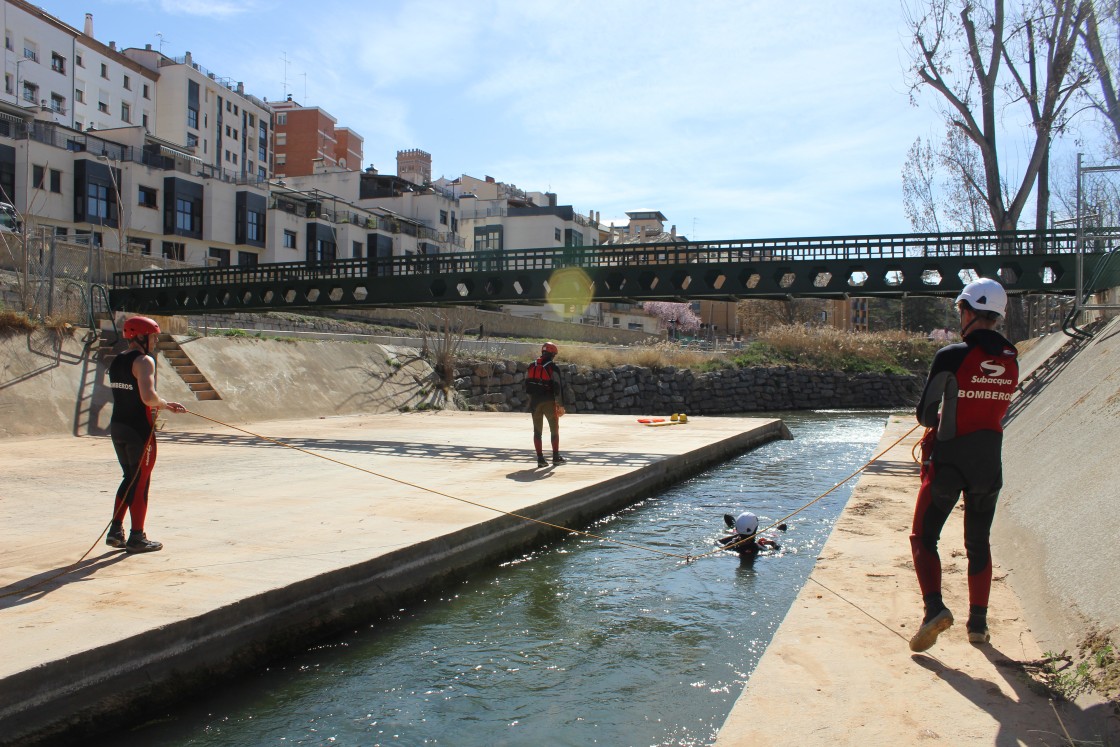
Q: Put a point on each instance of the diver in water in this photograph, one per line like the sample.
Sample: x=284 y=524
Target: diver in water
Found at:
x=746 y=540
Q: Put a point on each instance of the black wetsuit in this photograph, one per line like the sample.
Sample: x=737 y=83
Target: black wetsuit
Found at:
x=133 y=439
x=972 y=383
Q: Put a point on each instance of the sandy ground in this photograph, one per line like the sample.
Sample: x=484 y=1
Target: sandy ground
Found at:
x=839 y=670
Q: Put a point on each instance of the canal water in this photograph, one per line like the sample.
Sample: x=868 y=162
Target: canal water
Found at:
x=581 y=642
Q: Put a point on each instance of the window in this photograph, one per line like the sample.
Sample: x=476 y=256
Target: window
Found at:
x=8 y=83
x=247 y=259
x=126 y=112
x=103 y=107
x=78 y=59
x=175 y=250
x=221 y=255
x=97 y=202
x=227 y=130
x=262 y=173
x=127 y=83
x=443 y=217
x=146 y=91
x=229 y=106
x=85 y=237
x=358 y=250
x=104 y=71
x=144 y=120
x=56 y=181
x=79 y=95
x=38 y=173
x=281 y=159
x=30 y=51
x=139 y=245
x=282 y=119
x=184 y=215
x=559 y=236
x=235 y=159
x=254 y=226
x=58 y=104
x=487 y=238
x=30 y=92
x=58 y=63
x=281 y=138
x=149 y=197
x=8 y=40
x=192 y=140
x=289 y=239
x=192 y=118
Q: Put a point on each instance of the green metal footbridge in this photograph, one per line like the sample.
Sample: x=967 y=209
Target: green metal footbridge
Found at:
x=821 y=267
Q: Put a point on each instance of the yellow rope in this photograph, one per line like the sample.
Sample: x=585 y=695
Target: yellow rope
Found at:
x=686 y=558
x=441 y=493
x=124 y=510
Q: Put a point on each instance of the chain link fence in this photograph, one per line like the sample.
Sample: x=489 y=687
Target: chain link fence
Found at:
x=57 y=278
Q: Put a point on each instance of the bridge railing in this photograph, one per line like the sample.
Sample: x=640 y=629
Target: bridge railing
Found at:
x=828 y=248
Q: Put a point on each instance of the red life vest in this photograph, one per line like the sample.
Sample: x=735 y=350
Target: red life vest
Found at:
x=538 y=379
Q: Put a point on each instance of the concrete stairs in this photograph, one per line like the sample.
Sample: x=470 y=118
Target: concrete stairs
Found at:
x=174 y=354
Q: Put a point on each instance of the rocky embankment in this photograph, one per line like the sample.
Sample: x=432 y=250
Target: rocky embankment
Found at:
x=637 y=390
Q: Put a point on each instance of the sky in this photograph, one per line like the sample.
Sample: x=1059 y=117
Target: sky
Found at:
x=739 y=119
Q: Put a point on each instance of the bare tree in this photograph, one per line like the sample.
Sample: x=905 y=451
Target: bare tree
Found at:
x=1103 y=53
x=945 y=190
x=920 y=188
x=964 y=60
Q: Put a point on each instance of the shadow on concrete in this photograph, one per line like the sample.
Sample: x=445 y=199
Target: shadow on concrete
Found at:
x=892 y=468
x=531 y=475
x=1031 y=717
x=36 y=587
x=414 y=449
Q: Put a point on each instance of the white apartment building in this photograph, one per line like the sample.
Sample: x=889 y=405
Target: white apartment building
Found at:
x=212 y=117
x=68 y=77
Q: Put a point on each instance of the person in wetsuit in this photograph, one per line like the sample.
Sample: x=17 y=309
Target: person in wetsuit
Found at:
x=971 y=383
x=132 y=377
x=546 y=402
x=746 y=541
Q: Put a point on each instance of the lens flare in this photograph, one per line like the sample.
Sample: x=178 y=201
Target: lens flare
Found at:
x=570 y=290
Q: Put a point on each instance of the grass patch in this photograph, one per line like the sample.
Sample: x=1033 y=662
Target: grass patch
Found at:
x=822 y=349
x=16 y=322
x=833 y=350
x=1095 y=668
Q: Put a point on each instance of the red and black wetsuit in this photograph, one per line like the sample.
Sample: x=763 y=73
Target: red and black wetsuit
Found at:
x=972 y=383
x=131 y=428
x=546 y=391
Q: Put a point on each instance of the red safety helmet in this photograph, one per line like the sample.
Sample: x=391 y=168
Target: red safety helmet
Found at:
x=140 y=326
x=549 y=348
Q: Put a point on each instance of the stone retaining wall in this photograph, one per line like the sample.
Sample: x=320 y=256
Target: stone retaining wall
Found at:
x=635 y=390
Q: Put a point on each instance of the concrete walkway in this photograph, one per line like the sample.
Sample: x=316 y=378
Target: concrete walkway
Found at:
x=266 y=546
x=839 y=670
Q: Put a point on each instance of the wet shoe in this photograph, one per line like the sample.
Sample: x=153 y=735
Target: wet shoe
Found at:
x=557 y=460
x=115 y=539
x=141 y=543
x=927 y=634
x=542 y=462
x=979 y=636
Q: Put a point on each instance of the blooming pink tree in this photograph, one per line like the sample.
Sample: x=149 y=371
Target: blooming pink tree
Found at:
x=681 y=314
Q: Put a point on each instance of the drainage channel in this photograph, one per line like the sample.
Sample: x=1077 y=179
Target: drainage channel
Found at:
x=578 y=643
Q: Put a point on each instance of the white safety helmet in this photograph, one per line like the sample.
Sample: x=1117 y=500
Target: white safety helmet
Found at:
x=747 y=523
x=985 y=294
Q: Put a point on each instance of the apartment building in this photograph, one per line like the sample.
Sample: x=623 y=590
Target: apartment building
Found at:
x=211 y=116
x=67 y=77
x=307 y=141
